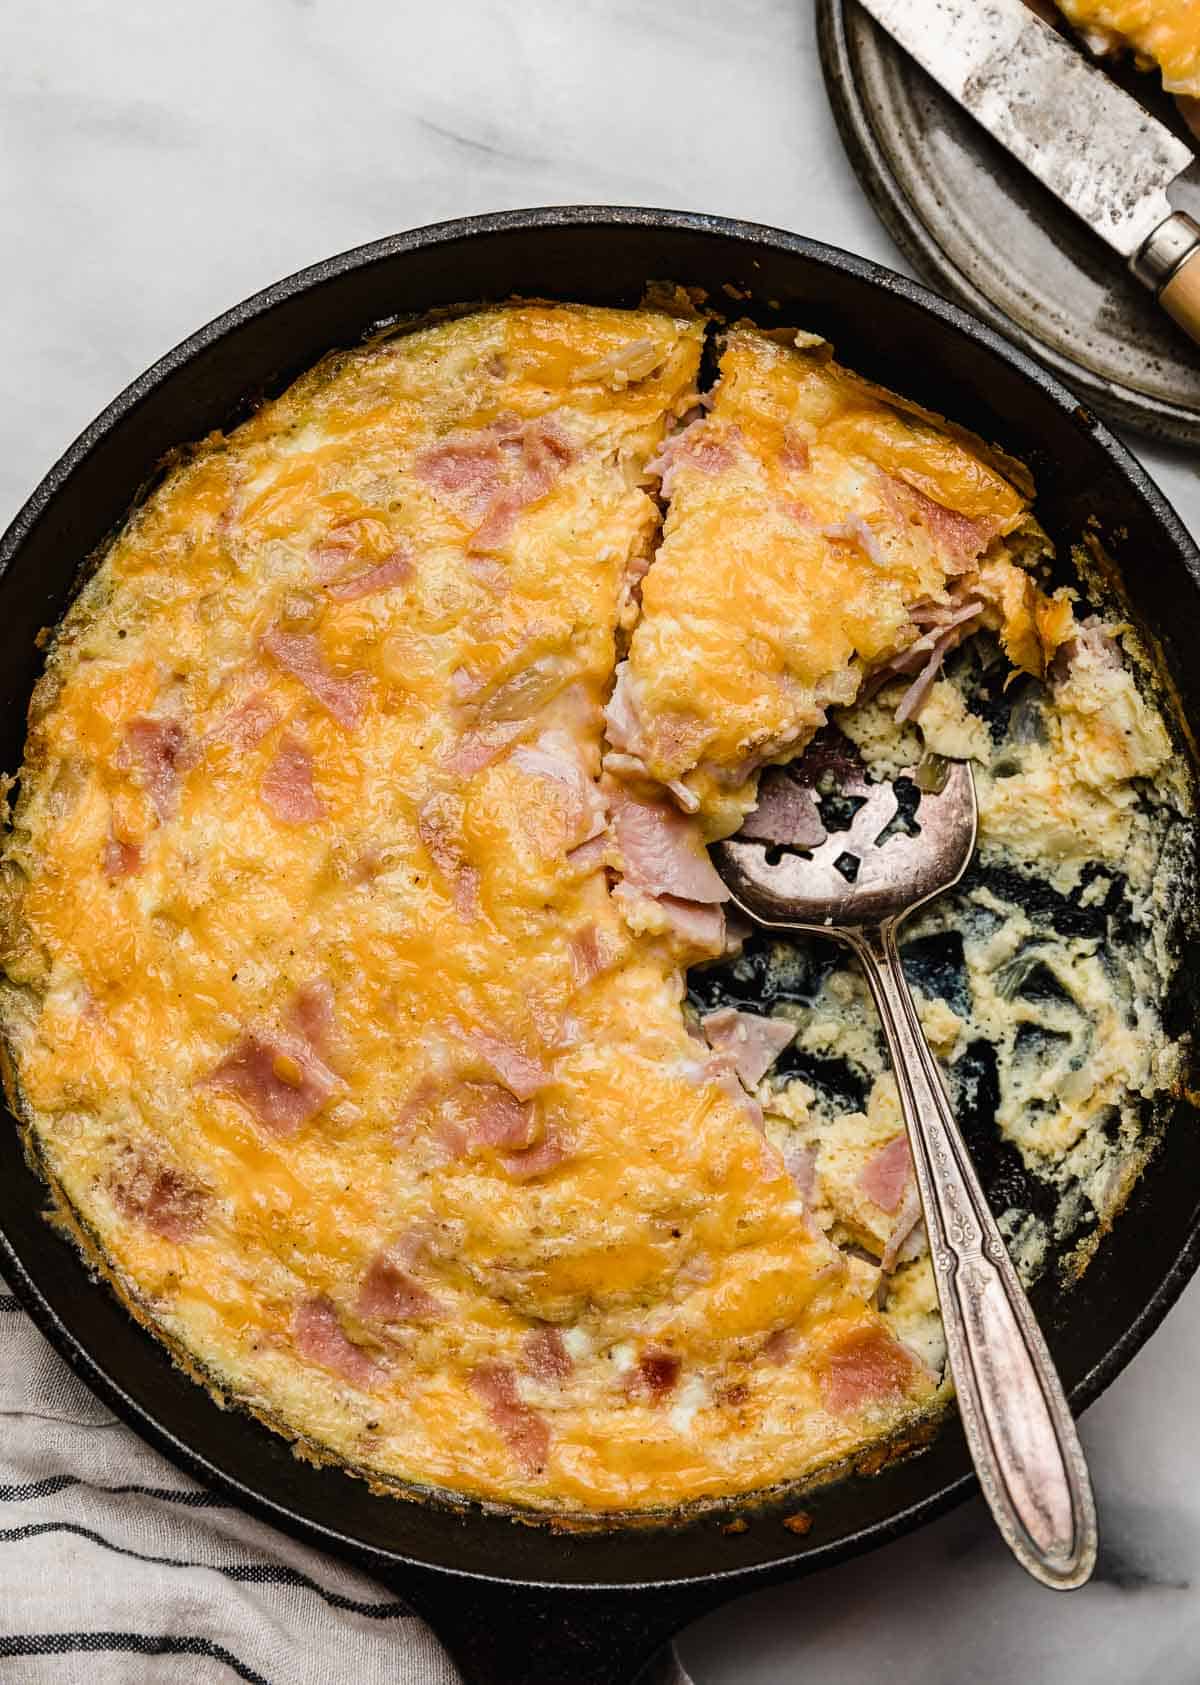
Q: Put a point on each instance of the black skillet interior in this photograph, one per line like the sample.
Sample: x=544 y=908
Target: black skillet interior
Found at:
x=464 y=1569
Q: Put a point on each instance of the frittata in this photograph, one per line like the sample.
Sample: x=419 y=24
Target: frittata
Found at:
x=344 y=939
x=1165 y=33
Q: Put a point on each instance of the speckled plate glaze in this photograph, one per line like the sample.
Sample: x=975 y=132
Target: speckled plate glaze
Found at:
x=976 y=225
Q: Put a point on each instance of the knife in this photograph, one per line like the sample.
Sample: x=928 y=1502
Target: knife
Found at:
x=1081 y=135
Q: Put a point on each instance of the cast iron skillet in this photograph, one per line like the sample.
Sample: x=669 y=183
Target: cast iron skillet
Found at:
x=513 y=1602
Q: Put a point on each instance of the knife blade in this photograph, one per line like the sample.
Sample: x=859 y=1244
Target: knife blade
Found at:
x=1069 y=124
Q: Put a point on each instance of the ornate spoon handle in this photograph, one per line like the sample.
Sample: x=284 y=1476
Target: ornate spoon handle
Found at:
x=1018 y=1424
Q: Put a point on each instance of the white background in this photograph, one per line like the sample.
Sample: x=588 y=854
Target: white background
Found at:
x=158 y=161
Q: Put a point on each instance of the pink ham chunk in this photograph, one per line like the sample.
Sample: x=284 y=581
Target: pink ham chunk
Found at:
x=752 y=1041
x=396 y=570
x=320 y=1337
x=656 y=1375
x=311 y=1015
x=786 y=813
x=592 y=952
x=493 y=473
x=439 y=825
x=855 y=532
x=700 y=446
x=538 y=1160
x=697 y=924
x=167 y=1201
x=120 y=859
x=661 y=850
x=156 y=748
x=278 y=1077
x=554 y=758
x=287 y=790
x=246 y=725
x=887 y=1174
x=904 y=1229
x=391 y=1293
x=958 y=540
x=526 y=1433
x=497 y=1118
x=521 y=1073
x=801 y=1165
x=545 y=1357
x=867 y=1367
x=481 y=746
x=299 y=653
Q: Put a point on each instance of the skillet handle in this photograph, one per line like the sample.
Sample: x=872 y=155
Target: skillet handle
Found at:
x=512 y=1635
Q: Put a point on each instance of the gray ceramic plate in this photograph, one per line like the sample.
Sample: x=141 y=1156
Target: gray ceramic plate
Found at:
x=978 y=227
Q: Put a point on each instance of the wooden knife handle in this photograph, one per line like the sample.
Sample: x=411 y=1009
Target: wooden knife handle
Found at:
x=1167 y=265
x=1180 y=298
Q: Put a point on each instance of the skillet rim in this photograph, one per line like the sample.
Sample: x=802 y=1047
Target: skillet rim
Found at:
x=740 y=234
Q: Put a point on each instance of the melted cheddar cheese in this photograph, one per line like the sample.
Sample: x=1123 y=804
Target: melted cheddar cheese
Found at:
x=337 y=1049
x=816 y=524
x=1165 y=33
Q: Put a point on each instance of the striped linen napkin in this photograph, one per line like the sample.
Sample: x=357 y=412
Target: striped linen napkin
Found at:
x=116 y=1569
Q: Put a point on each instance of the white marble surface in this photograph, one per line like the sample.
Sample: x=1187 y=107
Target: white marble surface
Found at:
x=160 y=160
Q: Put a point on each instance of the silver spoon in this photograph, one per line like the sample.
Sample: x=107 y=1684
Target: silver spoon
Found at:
x=858 y=885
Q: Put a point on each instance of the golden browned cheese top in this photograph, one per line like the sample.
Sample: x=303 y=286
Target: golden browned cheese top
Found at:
x=323 y=1017
x=1165 y=33
x=811 y=517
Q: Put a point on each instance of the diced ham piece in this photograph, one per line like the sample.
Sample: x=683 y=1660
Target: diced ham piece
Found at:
x=662 y=851
x=656 y=1374
x=589 y=856
x=866 y=1367
x=696 y=923
x=801 y=1165
x=592 y=952
x=165 y=1200
x=794 y=454
x=495 y=472
x=299 y=653
x=246 y=725
x=480 y=747
x=439 y=825
x=699 y=445
x=545 y=1356
x=887 y=1173
x=311 y=1016
x=907 y=1219
x=157 y=750
x=753 y=1042
x=957 y=538
x=287 y=790
x=538 y=1160
x=621 y=717
x=526 y=1432
x=120 y=859
x=396 y=570
x=497 y=1119
x=320 y=1337
x=520 y=1073
x=717 y=1070
x=554 y=757
x=855 y=531
x=786 y=813
x=390 y=1293
x=278 y=1077
x=914 y=697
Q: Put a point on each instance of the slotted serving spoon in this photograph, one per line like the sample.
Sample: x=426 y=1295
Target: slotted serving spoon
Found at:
x=858 y=885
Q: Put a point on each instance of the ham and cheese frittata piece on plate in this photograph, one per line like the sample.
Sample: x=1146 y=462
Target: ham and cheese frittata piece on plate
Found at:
x=336 y=1048
x=1165 y=33
x=820 y=531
